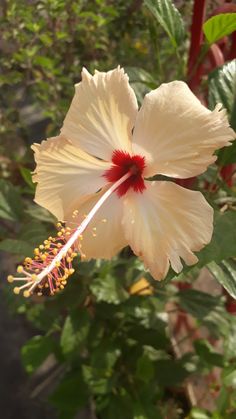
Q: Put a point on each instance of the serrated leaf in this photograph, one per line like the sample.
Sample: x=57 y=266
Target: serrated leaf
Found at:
x=222 y=89
x=109 y=289
x=219 y=26
x=223 y=243
x=145 y=369
x=169 y=18
x=75 y=332
x=207 y=353
x=10 y=201
x=35 y=351
x=225 y=274
x=71 y=394
x=197 y=303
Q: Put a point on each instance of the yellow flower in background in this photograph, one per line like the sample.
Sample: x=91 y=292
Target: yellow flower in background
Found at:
x=100 y=164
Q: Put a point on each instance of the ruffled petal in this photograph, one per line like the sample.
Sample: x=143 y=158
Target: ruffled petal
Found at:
x=166 y=223
x=102 y=113
x=104 y=237
x=64 y=173
x=177 y=134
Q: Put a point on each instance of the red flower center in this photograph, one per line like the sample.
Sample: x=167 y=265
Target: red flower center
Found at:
x=123 y=163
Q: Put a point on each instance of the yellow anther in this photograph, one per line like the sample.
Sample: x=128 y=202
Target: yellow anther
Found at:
x=59 y=233
x=50 y=238
x=44 y=256
x=59 y=245
x=28 y=260
x=20 y=269
x=26 y=294
x=68 y=259
x=57 y=264
x=47 y=246
x=46 y=241
x=58 y=225
x=39 y=294
x=68 y=233
x=62 y=287
x=94 y=228
x=104 y=220
x=73 y=255
x=71 y=271
x=41 y=246
x=36 y=251
x=34 y=277
x=16 y=290
x=94 y=235
x=10 y=278
x=81 y=237
x=55 y=251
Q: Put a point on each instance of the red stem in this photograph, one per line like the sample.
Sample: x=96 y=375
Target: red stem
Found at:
x=196 y=32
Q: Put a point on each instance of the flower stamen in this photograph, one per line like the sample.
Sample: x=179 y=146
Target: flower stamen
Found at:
x=47 y=272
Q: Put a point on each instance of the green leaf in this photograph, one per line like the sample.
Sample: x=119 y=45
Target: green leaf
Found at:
x=197 y=413
x=169 y=18
x=35 y=351
x=75 y=331
x=229 y=376
x=197 y=303
x=10 y=201
x=145 y=369
x=16 y=247
x=109 y=289
x=218 y=26
x=169 y=372
x=223 y=243
x=225 y=274
x=71 y=394
x=222 y=89
x=40 y=213
x=207 y=354
x=26 y=174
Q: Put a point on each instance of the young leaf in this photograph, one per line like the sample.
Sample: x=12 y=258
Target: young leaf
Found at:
x=218 y=26
x=169 y=18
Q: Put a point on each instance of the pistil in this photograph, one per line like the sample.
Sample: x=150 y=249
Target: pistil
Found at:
x=52 y=262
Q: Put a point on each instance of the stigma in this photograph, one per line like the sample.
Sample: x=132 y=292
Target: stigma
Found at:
x=123 y=163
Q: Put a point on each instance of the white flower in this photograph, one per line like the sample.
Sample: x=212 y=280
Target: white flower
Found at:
x=104 y=136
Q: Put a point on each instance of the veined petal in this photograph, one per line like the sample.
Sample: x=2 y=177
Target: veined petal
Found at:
x=104 y=237
x=102 y=113
x=177 y=134
x=165 y=223
x=64 y=173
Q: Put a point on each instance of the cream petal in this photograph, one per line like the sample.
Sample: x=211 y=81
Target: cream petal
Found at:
x=165 y=223
x=64 y=173
x=102 y=113
x=177 y=134
x=104 y=237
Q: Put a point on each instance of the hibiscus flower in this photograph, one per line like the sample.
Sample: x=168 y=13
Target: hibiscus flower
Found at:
x=102 y=163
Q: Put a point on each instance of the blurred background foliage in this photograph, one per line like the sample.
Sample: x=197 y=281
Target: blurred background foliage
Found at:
x=114 y=342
